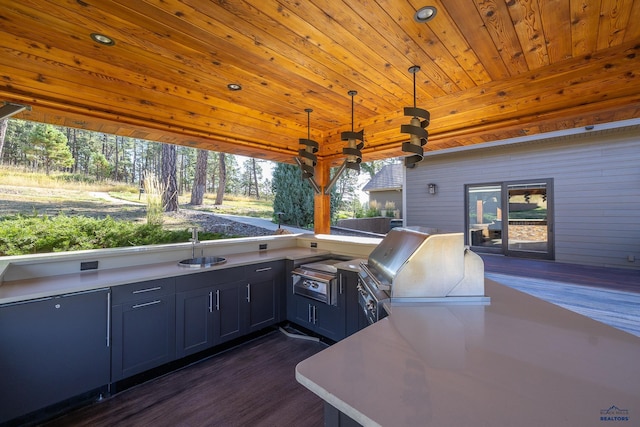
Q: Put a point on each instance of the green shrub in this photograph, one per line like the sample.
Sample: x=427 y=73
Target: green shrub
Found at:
x=23 y=235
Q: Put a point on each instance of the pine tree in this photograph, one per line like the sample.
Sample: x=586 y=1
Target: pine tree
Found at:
x=49 y=148
x=200 y=178
x=169 y=180
x=293 y=196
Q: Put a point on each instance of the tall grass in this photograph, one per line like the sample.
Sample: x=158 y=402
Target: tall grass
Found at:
x=153 y=189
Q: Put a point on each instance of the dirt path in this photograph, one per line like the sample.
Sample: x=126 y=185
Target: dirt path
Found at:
x=113 y=200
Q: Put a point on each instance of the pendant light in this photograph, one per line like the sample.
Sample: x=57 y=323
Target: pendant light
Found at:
x=352 y=150
x=416 y=129
x=307 y=159
x=308 y=150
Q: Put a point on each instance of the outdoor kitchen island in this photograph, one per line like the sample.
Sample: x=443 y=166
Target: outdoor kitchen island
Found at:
x=516 y=361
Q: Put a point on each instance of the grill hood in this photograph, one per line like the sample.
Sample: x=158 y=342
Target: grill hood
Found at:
x=410 y=262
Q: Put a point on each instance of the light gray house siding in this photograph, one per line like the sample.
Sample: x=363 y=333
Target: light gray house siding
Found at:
x=596 y=190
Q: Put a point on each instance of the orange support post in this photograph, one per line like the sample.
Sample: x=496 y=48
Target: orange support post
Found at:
x=322 y=202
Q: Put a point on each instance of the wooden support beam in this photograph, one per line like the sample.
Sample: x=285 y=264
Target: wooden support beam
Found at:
x=322 y=202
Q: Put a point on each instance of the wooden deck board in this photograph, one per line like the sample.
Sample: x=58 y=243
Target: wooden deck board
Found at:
x=608 y=295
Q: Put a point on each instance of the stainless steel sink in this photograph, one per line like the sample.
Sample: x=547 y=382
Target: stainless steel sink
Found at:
x=202 y=262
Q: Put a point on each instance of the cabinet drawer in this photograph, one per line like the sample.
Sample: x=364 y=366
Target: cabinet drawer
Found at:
x=264 y=269
x=205 y=279
x=143 y=290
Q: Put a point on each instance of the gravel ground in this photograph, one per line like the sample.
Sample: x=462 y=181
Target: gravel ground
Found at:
x=215 y=224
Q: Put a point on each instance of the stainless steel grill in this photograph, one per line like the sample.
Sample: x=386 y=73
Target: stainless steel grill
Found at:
x=317 y=280
x=413 y=265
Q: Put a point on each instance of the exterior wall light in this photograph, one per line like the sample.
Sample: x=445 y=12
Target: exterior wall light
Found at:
x=433 y=188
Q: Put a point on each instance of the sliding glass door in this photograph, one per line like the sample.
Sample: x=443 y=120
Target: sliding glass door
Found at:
x=514 y=218
x=484 y=216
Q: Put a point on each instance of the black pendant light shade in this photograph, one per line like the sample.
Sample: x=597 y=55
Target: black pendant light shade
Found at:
x=355 y=142
x=308 y=150
x=418 y=135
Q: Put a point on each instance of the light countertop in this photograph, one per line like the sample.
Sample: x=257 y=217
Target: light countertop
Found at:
x=27 y=289
x=516 y=361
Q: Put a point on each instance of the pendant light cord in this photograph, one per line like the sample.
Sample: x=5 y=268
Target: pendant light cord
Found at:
x=413 y=70
x=351 y=113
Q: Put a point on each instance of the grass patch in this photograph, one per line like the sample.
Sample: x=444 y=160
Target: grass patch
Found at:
x=22 y=235
x=12 y=176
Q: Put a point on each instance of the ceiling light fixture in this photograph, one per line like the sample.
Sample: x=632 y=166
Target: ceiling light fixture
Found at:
x=307 y=152
x=355 y=143
x=102 y=39
x=352 y=150
x=425 y=14
x=417 y=134
x=234 y=86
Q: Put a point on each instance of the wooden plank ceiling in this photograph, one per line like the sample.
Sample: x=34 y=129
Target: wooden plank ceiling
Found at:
x=490 y=70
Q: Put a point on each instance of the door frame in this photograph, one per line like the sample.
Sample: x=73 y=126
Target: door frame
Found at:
x=504 y=247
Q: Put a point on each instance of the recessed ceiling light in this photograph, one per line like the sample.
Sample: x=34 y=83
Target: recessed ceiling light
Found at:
x=425 y=14
x=102 y=39
x=234 y=86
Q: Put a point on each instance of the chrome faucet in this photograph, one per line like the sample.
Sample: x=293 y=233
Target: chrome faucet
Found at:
x=194 y=241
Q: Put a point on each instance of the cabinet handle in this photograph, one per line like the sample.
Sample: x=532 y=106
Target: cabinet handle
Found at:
x=211 y=302
x=141 y=291
x=108 y=319
x=218 y=299
x=309 y=314
x=315 y=318
x=248 y=292
x=145 y=304
x=260 y=270
x=341 y=288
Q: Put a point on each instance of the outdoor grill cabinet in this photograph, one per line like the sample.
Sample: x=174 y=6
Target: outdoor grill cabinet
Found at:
x=143 y=327
x=334 y=322
x=74 y=346
x=52 y=349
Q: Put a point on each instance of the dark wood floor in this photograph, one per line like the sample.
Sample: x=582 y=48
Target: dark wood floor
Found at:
x=621 y=279
x=250 y=385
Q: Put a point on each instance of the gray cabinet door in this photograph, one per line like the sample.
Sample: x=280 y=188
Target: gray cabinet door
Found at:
x=229 y=311
x=261 y=296
x=326 y=320
x=265 y=284
x=51 y=350
x=354 y=315
x=329 y=321
x=143 y=334
x=194 y=321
